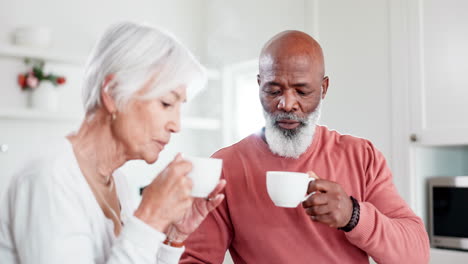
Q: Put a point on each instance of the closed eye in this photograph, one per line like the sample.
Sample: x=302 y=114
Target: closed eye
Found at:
x=165 y=104
x=273 y=92
x=302 y=92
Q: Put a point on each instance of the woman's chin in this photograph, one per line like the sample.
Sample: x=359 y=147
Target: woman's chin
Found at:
x=150 y=159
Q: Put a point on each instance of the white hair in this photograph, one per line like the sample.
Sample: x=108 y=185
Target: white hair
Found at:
x=134 y=53
x=291 y=143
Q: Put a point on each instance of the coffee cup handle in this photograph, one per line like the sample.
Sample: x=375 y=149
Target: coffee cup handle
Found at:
x=310 y=194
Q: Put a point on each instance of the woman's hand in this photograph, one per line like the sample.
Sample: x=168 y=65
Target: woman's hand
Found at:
x=167 y=198
x=201 y=207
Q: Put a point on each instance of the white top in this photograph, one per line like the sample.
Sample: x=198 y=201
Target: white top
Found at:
x=50 y=215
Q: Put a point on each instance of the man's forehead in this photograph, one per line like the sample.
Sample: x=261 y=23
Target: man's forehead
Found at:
x=270 y=65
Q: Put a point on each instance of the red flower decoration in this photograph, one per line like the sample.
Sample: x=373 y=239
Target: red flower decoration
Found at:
x=61 y=80
x=32 y=79
x=22 y=80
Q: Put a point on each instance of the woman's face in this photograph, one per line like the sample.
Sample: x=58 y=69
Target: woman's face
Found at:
x=145 y=126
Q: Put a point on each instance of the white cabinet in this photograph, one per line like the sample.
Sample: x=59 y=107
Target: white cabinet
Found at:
x=438 y=71
x=429 y=62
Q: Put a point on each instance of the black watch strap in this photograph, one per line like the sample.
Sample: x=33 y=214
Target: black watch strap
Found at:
x=354 y=217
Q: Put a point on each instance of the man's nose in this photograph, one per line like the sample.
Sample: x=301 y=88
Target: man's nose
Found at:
x=288 y=103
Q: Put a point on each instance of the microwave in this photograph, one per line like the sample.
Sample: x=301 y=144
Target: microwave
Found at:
x=448 y=212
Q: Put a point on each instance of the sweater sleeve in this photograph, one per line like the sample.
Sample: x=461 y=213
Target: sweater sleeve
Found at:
x=388 y=230
x=140 y=243
x=49 y=224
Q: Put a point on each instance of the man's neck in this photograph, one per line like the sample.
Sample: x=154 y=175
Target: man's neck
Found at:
x=262 y=135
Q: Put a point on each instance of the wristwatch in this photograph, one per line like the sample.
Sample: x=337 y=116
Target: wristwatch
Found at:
x=173 y=243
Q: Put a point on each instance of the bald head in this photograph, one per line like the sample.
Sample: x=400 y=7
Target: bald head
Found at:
x=292 y=44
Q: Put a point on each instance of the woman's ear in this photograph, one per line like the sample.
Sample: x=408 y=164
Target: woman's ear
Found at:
x=107 y=101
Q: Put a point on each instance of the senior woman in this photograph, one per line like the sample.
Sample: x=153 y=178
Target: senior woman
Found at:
x=73 y=206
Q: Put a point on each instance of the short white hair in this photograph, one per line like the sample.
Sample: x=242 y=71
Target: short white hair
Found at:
x=134 y=53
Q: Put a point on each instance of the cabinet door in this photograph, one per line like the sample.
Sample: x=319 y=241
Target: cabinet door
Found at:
x=23 y=139
x=439 y=71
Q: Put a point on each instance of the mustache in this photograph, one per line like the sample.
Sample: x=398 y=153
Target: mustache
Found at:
x=290 y=116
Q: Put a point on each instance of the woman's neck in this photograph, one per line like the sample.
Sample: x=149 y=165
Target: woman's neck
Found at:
x=97 y=151
x=99 y=154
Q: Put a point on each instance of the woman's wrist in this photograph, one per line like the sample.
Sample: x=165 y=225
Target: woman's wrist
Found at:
x=157 y=223
x=176 y=237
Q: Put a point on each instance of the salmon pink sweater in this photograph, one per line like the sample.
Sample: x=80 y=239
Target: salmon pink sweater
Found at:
x=254 y=230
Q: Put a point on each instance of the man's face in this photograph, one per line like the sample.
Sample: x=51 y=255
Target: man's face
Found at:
x=291 y=90
x=293 y=85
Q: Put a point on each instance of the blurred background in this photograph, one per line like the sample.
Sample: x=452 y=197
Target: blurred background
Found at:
x=398 y=77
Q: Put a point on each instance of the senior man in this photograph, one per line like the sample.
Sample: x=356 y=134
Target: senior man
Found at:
x=356 y=211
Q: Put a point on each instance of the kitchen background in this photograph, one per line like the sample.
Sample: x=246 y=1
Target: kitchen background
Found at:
x=398 y=76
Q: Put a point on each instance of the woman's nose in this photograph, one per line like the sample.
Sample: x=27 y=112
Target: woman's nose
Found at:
x=174 y=124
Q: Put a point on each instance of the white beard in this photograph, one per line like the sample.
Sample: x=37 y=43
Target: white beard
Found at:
x=291 y=143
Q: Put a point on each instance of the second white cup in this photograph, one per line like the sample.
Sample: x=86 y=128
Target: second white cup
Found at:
x=287 y=189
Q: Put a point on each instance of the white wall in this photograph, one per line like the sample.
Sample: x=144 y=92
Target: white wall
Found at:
x=76 y=24
x=355 y=39
x=237 y=30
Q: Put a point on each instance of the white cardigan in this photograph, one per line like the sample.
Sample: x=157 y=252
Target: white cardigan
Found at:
x=50 y=215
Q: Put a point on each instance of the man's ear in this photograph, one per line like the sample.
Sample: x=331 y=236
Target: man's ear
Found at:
x=108 y=103
x=325 y=82
x=258 y=79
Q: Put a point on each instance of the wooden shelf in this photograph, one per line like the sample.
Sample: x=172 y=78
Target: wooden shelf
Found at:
x=38 y=53
x=48 y=55
x=37 y=115
x=32 y=114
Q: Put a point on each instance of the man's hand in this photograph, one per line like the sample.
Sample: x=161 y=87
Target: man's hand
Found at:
x=330 y=204
x=195 y=215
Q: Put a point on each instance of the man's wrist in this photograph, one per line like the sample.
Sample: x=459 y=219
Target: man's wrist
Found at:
x=354 y=216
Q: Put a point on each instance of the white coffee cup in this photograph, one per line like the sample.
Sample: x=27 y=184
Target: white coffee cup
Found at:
x=205 y=175
x=288 y=189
